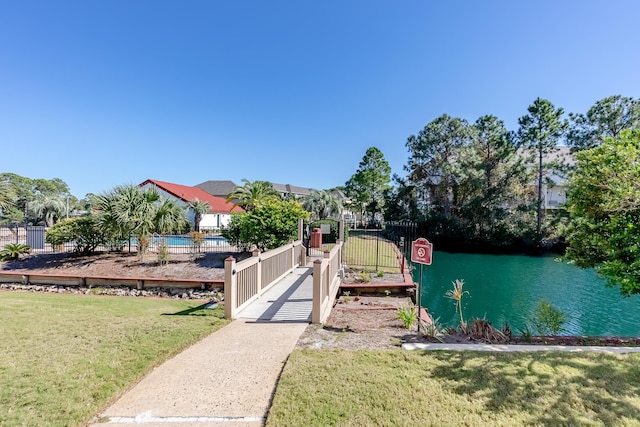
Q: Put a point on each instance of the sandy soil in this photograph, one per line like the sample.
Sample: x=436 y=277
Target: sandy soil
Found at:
x=209 y=266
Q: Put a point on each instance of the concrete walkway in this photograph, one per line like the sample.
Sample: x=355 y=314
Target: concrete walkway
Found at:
x=229 y=377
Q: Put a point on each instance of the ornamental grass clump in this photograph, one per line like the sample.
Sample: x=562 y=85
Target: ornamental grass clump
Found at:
x=407 y=314
x=456 y=294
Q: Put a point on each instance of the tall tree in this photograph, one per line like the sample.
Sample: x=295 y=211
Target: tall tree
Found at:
x=200 y=208
x=494 y=177
x=604 y=208
x=322 y=204
x=251 y=195
x=434 y=167
x=401 y=202
x=27 y=190
x=606 y=118
x=539 y=133
x=7 y=194
x=367 y=186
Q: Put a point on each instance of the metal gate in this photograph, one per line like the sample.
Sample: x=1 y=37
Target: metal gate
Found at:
x=378 y=250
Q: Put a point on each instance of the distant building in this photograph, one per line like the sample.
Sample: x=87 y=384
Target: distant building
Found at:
x=288 y=191
x=554 y=183
x=218 y=188
x=220 y=210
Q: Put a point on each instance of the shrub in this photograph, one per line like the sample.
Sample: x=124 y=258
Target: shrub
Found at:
x=407 y=314
x=267 y=226
x=547 y=319
x=83 y=232
x=12 y=251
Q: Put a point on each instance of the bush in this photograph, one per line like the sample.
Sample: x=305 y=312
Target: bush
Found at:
x=268 y=226
x=547 y=319
x=83 y=232
x=12 y=251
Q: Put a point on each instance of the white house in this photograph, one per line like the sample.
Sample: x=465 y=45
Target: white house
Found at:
x=220 y=210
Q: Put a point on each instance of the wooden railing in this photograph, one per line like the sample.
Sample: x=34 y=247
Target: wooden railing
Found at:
x=246 y=280
x=326 y=282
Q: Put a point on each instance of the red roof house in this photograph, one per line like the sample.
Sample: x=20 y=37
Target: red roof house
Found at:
x=218 y=215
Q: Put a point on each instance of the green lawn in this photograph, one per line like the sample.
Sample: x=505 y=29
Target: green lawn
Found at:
x=63 y=358
x=365 y=251
x=392 y=388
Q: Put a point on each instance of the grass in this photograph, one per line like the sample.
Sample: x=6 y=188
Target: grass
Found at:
x=364 y=251
x=389 y=388
x=63 y=358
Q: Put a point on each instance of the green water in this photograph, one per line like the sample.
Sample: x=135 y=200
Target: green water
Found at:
x=507 y=288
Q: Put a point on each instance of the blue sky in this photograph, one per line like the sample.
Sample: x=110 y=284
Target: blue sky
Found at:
x=102 y=93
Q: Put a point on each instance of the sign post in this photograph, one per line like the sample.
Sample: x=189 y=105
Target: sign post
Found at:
x=421 y=253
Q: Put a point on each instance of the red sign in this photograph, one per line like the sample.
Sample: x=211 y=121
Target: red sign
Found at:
x=421 y=251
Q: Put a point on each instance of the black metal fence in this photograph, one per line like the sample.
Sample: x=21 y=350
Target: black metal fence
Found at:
x=34 y=237
x=379 y=250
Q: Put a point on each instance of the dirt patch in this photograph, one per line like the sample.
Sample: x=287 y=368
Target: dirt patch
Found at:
x=181 y=266
x=371 y=323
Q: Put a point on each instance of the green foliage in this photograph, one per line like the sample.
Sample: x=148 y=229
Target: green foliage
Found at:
x=12 y=251
x=199 y=208
x=129 y=210
x=456 y=294
x=42 y=200
x=539 y=133
x=547 y=319
x=322 y=205
x=367 y=186
x=525 y=333
x=605 y=119
x=604 y=207
x=85 y=233
x=407 y=314
x=269 y=225
x=251 y=195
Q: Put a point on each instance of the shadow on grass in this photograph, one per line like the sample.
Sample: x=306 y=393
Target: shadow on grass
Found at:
x=200 y=310
x=553 y=388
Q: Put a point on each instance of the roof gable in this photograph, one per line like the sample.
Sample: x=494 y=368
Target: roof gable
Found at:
x=188 y=194
x=218 y=188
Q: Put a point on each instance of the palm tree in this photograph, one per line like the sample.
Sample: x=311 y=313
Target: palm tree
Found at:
x=252 y=194
x=130 y=211
x=169 y=217
x=7 y=195
x=200 y=208
x=47 y=207
x=322 y=204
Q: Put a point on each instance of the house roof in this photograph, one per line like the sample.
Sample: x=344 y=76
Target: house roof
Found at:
x=218 y=188
x=292 y=189
x=187 y=194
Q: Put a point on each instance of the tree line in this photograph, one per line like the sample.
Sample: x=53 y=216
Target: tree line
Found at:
x=480 y=186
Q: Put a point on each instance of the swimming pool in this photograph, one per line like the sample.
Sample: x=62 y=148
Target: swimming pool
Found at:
x=185 y=241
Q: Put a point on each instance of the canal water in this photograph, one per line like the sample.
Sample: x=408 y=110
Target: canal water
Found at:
x=507 y=288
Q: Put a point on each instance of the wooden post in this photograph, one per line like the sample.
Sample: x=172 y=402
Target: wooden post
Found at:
x=316 y=307
x=300 y=229
x=230 y=295
x=256 y=253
